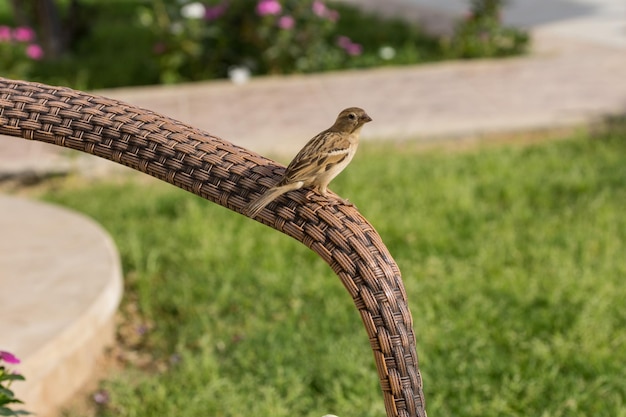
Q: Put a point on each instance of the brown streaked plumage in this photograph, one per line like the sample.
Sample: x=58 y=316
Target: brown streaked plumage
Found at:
x=321 y=159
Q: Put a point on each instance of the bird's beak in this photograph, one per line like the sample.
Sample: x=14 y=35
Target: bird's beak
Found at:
x=365 y=118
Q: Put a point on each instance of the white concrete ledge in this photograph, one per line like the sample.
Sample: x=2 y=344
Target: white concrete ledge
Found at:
x=60 y=286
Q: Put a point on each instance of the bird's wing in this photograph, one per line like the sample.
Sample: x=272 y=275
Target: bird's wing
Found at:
x=321 y=153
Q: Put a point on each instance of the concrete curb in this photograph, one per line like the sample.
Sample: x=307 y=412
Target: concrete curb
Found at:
x=62 y=283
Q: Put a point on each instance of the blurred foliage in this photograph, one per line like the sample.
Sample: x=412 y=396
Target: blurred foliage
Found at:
x=481 y=34
x=140 y=42
x=199 y=41
x=18 y=50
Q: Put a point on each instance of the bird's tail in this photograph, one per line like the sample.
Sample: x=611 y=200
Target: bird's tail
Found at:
x=255 y=206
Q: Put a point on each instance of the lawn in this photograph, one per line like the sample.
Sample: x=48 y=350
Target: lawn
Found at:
x=512 y=255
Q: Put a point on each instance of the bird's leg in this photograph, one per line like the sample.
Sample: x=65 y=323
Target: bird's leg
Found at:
x=324 y=191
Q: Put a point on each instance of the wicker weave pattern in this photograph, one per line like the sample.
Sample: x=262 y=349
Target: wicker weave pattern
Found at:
x=230 y=176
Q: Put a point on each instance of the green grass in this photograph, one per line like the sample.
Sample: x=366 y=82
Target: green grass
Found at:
x=513 y=259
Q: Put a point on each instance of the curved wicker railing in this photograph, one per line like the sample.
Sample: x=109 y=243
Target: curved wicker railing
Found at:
x=231 y=176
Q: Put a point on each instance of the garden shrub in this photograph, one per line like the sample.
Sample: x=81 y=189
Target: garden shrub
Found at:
x=138 y=42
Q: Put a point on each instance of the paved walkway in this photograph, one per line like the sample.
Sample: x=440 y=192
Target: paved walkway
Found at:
x=562 y=83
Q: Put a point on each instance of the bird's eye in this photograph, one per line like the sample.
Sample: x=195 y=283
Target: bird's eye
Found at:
x=352 y=116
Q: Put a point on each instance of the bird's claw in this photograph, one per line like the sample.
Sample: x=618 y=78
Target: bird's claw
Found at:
x=346 y=202
x=330 y=201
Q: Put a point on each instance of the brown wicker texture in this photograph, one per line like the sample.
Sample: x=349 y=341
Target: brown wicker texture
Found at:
x=231 y=176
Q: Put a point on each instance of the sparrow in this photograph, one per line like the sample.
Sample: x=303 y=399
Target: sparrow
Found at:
x=320 y=160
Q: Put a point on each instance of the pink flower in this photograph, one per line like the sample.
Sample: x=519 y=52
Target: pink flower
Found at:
x=332 y=15
x=268 y=7
x=23 y=34
x=319 y=8
x=354 y=49
x=286 y=22
x=34 y=51
x=8 y=357
x=5 y=33
x=350 y=47
x=344 y=41
x=101 y=397
x=215 y=12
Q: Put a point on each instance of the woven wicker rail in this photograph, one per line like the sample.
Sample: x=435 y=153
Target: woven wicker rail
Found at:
x=231 y=176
